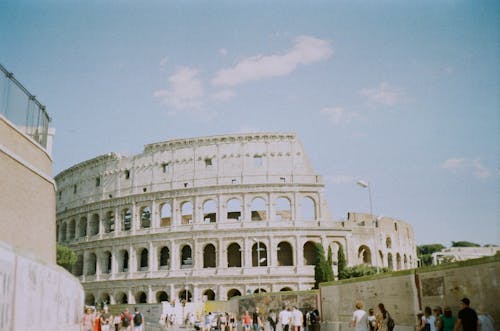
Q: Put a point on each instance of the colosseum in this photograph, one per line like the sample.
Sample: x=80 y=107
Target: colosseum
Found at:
x=210 y=218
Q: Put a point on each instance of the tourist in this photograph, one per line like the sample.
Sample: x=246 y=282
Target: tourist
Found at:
x=438 y=320
x=448 y=320
x=207 y=322
x=97 y=321
x=427 y=320
x=87 y=320
x=297 y=319
x=284 y=319
x=359 y=318
x=116 y=322
x=246 y=321
x=256 y=320
x=316 y=320
x=467 y=317
x=382 y=317
x=138 y=320
x=106 y=319
x=272 y=320
x=232 y=322
x=125 y=320
x=486 y=322
x=371 y=319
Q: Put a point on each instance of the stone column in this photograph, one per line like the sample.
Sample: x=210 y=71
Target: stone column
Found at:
x=135 y=218
x=155 y=215
x=132 y=260
x=296 y=205
x=247 y=262
x=152 y=260
x=222 y=259
x=85 y=262
x=151 y=295
x=176 y=212
x=270 y=207
x=114 y=262
x=89 y=220
x=118 y=221
x=131 y=298
x=98 y=261
x=221 y=215
x=175 y=259
x=299 y=253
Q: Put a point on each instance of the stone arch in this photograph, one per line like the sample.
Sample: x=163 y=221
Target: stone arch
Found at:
x=234 y=209
x=106 y=262
x=398 y=261
x=283 y=209
x=258 y=209
x=164 y=258
x=109 y=221
x=286 y=289
x=390 y=264
x=381 y=256
x=233 y=293
x=126 y=219
x=185 y=294
x=123 y=263
x=209 y=211
x=307 y=209
x=78 y=267
x=309 y=252
x=259 y=252
x=161 y=296
x=145 y=216
x=187 y=212
x=388 y=242
x=91 y=264
x=259 y=290
x=210 y=294
x=94 y=225
x=285 y=254
x=143 y=259
x=64 y=230
x=405 y=261
x=121 y=298
x=335 y=250
x=364 y=255
x=209 y=256
x=166 y=214
x=186 y=257
x=234 y=255
x=141 y=297
x=82 y=227
x=89 y=299
x=72 y=229
x=105 y=298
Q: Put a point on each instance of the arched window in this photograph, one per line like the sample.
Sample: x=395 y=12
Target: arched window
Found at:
x=78 y=267
x=89 y=299
x=141 y=297
x=209 y=211
x=285 y=254
x=161 y=296
x=234 y=255
x=209 y=256
x=210 y=294
x=364 y=255
x=106 y=262
x=258 y=209
x=91 y=264
x=187 y=212
x=234 y=210
x=398 y=261
x=259 y=290
x=307 y=209
x=389 y=261
x=286 y=289
x=283 y=209
x=121 y=298
x=259 y=253
x=109 y=222
x=185 y=294
x=310 y=253
x=82 y=227
x=405 y=261
x=94 y=225
x=388 y=242
x=105 y=298
x=164 y=262
x=233 y=293
x=72 y=229
x=144 y=255
x=127 y=219
x=166 y=215
x=123 y=265
x=64 y=230
x=145 y=213
x=186 y=257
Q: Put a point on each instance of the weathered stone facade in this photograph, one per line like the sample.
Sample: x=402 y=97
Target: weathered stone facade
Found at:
x=210 y=218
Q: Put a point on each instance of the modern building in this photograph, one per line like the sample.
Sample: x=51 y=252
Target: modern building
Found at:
x=210 y=218
x=30 y=281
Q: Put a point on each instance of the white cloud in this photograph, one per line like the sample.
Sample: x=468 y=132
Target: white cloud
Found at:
x=185 y=90
x=338 y=115
x=384 y=94
x=306 y=50
x=223 y=51
x=223 y=95
x=163 y=62
x=466 y=165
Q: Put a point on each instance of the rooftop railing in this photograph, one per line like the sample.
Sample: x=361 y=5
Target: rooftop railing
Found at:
x=22 y=108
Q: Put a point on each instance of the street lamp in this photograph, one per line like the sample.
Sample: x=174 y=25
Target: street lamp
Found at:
x=367 y=185
x=259 y=261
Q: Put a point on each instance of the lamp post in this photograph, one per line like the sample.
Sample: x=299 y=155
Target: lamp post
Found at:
x=259 y=260
x=367 y=185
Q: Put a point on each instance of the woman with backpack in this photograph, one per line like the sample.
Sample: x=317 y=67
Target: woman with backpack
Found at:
x=383 y=319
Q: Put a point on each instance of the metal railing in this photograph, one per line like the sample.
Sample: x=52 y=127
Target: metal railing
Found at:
x=22 y=108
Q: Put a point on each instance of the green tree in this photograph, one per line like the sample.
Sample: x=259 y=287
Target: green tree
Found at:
x=341 y=263
x=424 y=252
x=464 y=244
x=65 y=257
x=361 y=270
x=319 y=268
x=329 y=262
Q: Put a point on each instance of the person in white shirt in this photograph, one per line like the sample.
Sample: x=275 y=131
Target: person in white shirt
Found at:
x=359 y=318
x=297 y=319
x=284 y=319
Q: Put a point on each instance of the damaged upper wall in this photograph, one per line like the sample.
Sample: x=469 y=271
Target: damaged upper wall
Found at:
x=238 y=159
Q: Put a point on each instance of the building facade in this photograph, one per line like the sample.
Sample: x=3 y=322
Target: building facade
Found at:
x=210 y=218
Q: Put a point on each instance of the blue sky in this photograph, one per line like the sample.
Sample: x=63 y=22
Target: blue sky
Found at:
x=405 y=95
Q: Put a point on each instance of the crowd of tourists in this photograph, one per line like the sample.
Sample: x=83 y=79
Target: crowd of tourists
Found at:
x=103 y=320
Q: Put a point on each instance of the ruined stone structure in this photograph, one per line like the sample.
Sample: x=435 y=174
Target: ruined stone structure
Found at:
x=210 y=218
